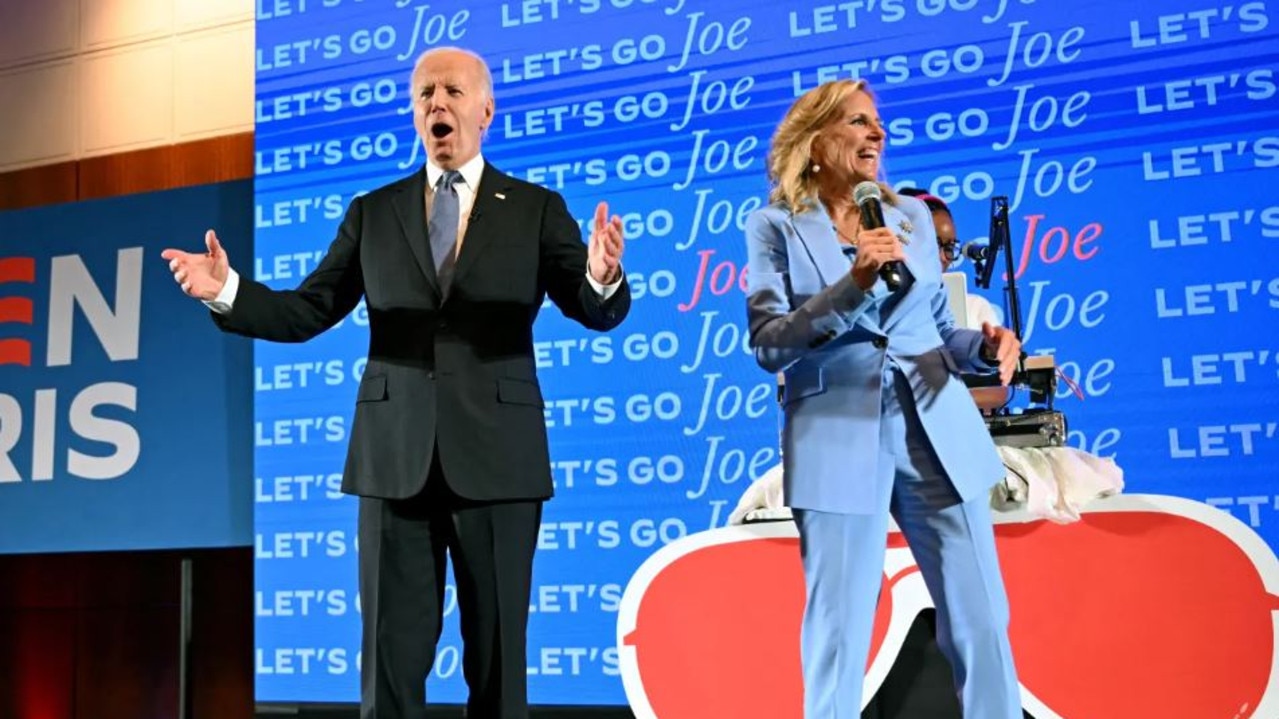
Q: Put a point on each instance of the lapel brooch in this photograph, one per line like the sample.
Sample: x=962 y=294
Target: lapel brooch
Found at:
x=906 y=228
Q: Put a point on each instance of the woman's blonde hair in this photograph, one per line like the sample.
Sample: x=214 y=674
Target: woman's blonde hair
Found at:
x=790 y=156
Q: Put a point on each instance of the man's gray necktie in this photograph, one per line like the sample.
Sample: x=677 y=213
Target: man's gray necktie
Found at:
x=442 y=227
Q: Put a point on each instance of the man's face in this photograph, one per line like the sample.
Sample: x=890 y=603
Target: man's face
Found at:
x=451 y=107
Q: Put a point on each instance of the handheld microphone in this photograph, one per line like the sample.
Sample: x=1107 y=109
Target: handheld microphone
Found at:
x=977 y=251
x=869 y=201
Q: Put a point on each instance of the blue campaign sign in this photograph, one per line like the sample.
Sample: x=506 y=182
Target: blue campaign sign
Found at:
x=125 y=415
x=1136 y=142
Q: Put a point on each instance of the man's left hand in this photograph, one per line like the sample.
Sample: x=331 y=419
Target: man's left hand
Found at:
x=604 y=254
x=1002 y=346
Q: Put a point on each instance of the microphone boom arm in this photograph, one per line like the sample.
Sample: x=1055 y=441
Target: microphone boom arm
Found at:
x=1040 y=380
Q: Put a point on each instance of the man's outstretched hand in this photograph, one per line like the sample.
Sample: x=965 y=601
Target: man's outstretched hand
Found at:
x=200 y=275
x=604 y=253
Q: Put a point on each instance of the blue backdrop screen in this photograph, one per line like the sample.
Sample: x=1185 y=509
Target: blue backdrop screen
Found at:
x=1137 y=143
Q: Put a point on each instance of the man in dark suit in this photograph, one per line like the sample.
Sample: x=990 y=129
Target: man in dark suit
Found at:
x=448 y=450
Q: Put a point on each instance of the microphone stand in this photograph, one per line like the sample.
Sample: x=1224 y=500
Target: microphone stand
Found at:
x=1041 y=380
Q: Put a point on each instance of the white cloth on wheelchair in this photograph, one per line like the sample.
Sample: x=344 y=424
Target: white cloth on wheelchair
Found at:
x=1055 y=483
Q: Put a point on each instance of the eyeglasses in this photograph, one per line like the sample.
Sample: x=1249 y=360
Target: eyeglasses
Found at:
x=1148 y=606
x=949 y=249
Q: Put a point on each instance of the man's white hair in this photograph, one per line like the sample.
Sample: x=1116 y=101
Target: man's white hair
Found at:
x=485 y=75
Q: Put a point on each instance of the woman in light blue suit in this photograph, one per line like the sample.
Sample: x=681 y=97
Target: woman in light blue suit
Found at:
x=875 y=417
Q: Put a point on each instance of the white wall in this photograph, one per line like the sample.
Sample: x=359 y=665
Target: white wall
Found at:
x=80 y=78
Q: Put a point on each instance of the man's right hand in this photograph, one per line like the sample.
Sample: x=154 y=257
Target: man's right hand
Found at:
x=201 y=276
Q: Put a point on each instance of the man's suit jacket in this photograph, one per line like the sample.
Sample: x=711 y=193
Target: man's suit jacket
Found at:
x=449 y=372
x=809 y=319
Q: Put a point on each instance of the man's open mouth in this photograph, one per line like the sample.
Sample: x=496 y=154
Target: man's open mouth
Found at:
x=441 y=130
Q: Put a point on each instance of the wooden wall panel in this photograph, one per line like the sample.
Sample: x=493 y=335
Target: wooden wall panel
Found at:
x=92 y=77
x=213 y=94
x=127 y=661
x=217 y=159
x=126 y=99
x=45 y=185
x=199 y=162
x=35 y=30
x=95 y=635
x=41 y=113
x=37 y=662
x=112 y=24
x=222 y=636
